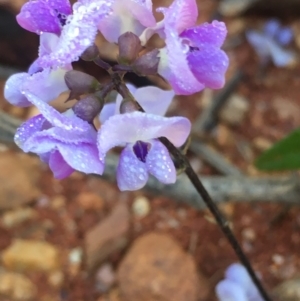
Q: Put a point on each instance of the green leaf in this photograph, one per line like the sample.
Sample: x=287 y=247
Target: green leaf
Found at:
x=283 y=155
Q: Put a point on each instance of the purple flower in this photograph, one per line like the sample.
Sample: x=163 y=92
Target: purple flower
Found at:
x=63 y=141
x=131 y=15
x=143 y=154
x=237 y=286
x=269 y=43
x=192 y=58
x=78 y=33
x=44 y=15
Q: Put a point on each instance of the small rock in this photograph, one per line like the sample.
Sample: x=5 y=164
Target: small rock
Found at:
x=289 y=290
x=16 y=287
x=31 y=255
x=141 y=206
x=108 y=236
x=90 y=201
x=234 y=110
x=18 y=177
x=13 y=218
x=105 y=278
x=156 y=268
x=249 y=234
x=58 y=202
x=262 y=143
x=56 y=279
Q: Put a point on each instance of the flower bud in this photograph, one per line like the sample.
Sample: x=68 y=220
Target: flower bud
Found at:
x=147 y=64
x=128 y=106
x=80 y=83
x=88 y=108
x=90 y=53
x=129 y=47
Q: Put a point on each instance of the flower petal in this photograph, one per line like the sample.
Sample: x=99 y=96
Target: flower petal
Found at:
x=142 y=11
x=154 y=100
x=59 y=166
x=78 y=33
x=131 y=173
x=82 y=157
x=56 y=118
x=209 y=66
x=12 y=90
x=229 y=291
x=212 y=34
x=132 y=127
x=62 y=6
x=107 y=111
x=28 y=129
x=160 y=164
x=37 y=16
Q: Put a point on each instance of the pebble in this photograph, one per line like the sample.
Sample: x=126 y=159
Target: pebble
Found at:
x=288 y=290
x=90 y=201
x=156 y=268
x=141 y=206
x=16 y=286
x=56 y=279
x=15 y=217
x=105 y=278
x=31 y=255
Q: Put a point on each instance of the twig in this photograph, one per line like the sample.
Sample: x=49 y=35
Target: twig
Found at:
x=214 y=159
x=207 y=120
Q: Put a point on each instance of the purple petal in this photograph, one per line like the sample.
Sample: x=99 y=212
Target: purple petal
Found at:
x=131 y=173
x=259 y=42
x=12 y=90
x=28 y=129
x=212 y=34
x=229 y=291
x=209 y=66
x=182 y=14
x=48 y=42
x=82 y=157
x=107 y=111
x=271 y=27
x=142 y=11
x=160 y=164
x=56 y=118
x=79 y=32
x=285 y=36
x=34 y=68
x=280 y=56
x=37 y=16
x=154 y=100
x=131 y=127
x=59 y=166
x=62 y=6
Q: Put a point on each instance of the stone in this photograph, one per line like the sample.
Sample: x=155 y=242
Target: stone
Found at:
x=19 y=174
x=105 y=278
x=141 y=206
x=56 y=279
x=15 y=217
x=16 y=286
x=90 y=201
x=107 y=236
x=157 y=269
x=288 y=290
x=234 y=110
x=31 y=255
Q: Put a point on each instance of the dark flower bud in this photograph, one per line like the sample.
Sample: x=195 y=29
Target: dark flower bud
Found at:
x=90 y=53
x=128 y=106
x=80 y=83
x=129 y=47
x=147 y=64
x=88 y=108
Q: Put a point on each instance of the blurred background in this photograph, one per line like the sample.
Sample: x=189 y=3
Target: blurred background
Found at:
x=80 y=239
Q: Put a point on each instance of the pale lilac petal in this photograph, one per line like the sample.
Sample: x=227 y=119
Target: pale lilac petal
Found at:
x=107 y=111
x=212 y=34
x=59 y=166
x=209 y=66
x=131 y=127
x=12 y=90
x=154 y=100
x=285 y=36
x=259 y=43
x=131 y=173
x=229 y=291
x=160 y=164
x=271 y=27
x=48 y=42
x=181 y=14
x=82 y=157
x=142 y=11
x=78 y=33
x=56 y=118
x=37 y=16
x=34 y=68
x=28 y=129
x=280 y=57
x=47 y=85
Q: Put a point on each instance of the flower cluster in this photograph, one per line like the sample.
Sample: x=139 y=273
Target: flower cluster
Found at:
x=270 y=42
x=237 y=286
x=190 y=60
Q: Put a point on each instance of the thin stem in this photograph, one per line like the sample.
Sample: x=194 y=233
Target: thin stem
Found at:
x=221 y=220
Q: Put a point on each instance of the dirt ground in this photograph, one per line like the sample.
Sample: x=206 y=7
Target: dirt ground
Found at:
x=64 y=213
